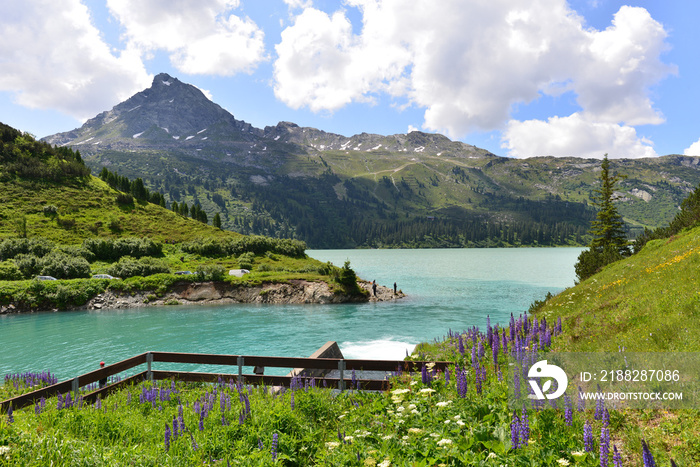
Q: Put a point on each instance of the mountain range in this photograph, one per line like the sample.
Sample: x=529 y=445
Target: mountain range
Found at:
x=367 y=190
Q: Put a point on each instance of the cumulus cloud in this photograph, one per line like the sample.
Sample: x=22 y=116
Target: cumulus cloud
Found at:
x=53 y=57
x=574 y=136
x=468 y=64
x=693 y=150
x=202 y=37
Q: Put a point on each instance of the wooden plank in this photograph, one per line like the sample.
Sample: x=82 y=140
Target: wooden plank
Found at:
x=30 y=398
x=111 y=388
x=110 y=370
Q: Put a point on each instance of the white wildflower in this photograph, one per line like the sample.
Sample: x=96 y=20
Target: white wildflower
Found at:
x=444 y=442
x=332 y=444
x=562 y=462
x=443 y=403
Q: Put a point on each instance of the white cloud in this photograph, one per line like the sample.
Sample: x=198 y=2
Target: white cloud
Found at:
x=468 y=63
x=294 y=4
x=51 y=56
x=574 y=136
x=202 y=37
x=693 y=150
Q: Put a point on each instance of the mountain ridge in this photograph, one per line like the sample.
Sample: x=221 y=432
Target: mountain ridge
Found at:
x=361 y=190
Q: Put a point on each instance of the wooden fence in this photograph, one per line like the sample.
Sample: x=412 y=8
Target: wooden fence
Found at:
x=344 y=366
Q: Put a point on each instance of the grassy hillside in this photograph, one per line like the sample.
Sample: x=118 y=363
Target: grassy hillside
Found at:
x=648 y=302
x=88 y=208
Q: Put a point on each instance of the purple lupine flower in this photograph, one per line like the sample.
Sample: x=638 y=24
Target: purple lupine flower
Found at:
x=447 y=376
x=599 y=408
x=581 y=406
x=353 y=380
x=606 y=418
x=275 y=440
x=505 y=342
x=568 y=410
x=425 y=376
x=261 y=446
x=10 y=417
x=201 y=421
x=461 y=376
x=59 y=404
x=516 y=382
x=515 y=430
x=291 y=401
x=524 y=428
x=461 y=345
x=494 y=351
x=194 y=443
x=647 y=457
x=604 y=446
x=617 y=457
x=481 y=349
x=587 y=437
x=167 y=437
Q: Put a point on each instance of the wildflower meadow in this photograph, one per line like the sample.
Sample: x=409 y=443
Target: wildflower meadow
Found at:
x=462 y=416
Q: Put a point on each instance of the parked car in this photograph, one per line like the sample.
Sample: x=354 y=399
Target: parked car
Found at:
x=46 y=278
x=103 y=276
x=183 y=273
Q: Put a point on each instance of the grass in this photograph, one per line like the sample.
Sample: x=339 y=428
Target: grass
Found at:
x=649 y=302
x=88 y=209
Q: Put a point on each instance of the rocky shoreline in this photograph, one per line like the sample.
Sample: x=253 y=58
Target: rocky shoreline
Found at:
x=221 y=293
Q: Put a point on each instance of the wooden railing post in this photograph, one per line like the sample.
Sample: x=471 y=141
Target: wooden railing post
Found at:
x=240 y=362
x=149 y=361
x=341 y=381
x=76 y=388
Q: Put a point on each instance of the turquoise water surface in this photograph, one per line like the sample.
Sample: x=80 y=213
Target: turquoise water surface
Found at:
x=447 y=289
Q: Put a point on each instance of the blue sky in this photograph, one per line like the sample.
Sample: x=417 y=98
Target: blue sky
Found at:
x=544 y=77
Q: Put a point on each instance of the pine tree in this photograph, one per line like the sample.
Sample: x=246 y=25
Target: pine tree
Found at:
x=609 y=242
x=216 y=222
x=608 y=227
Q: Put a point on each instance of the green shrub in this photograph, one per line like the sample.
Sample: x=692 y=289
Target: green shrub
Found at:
x=210 y=272
x=593 y=260
x=9 y=271
x=29 y=265
x=128 y=266
x=63 y=266
x=50 y=210
x=80 y=251
x=246 y=260
x=11 y=247
x=107 y=249
x=258 y=245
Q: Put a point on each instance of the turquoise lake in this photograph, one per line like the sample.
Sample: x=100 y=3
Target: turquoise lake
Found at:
x=447 y=289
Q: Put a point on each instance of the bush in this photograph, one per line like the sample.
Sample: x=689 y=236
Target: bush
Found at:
x=63 y=266
x=245 y=261
x=11 y=247
x=212 y=272
x=124 y=198
x=50 y=210
x=9 y=271
x=593 y=260
x=258 y=245
x=128 y=266
x=28 y=265
x=106 y=249
x=77 y=251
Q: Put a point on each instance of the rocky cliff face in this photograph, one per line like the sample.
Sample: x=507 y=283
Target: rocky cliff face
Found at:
x=219 y=293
